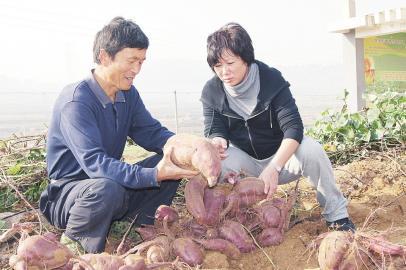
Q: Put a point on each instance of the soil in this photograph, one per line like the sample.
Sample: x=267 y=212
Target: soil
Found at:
x=376 y=192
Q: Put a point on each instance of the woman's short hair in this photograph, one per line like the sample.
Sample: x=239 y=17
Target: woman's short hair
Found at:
x=233 y=37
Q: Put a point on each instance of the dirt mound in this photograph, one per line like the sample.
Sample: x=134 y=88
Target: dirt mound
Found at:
x=376 y=190
x=375 y=187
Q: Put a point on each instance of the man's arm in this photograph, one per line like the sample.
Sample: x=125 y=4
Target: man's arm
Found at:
x=82 y=135
x=146 y=131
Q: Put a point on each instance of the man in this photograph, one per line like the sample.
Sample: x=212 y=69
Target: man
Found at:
x=90 y=187
x=251 y=116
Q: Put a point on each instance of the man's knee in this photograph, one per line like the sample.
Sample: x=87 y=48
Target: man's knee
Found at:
x=111 y=193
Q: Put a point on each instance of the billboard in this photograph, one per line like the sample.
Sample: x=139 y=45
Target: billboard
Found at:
x=385 y=61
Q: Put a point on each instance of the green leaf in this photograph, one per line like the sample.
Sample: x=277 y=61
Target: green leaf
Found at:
x=14 y=170
x=373 y=114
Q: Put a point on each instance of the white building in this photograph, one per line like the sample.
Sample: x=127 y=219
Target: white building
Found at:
x=377 y=28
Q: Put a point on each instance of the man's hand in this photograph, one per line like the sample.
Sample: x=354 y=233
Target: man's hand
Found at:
x=270 y=176
x=167 y=170
x=221 y=145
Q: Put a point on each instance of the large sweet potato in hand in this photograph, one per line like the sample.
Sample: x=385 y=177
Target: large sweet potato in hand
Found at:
x=195 y=153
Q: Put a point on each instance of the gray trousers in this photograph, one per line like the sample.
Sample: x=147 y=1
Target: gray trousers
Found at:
x=86 y=208
x=309 y=160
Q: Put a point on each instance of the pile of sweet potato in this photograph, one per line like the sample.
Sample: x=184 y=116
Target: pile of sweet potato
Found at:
x=223 y=219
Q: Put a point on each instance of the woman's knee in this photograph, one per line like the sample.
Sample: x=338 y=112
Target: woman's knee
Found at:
x=310 y=150
x=237 y=160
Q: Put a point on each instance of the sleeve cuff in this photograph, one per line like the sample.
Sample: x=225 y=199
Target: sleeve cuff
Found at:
x=294 y=134
x=149 y=174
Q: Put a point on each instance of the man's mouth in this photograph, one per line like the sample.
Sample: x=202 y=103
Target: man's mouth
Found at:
x=130 y=79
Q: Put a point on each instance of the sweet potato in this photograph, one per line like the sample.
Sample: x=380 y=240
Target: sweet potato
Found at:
x=41 y=251
x=188 y=251
x=147 y=232
x=269 y=215
x=333 y=248
x=214 y=199
x=194 y=194
x=245 y=193
x=193 y=229
x=221 y=245
x=103 y=261
x=157 y=253
x=166 y=211
x=134 y=259
x=197 y=153
x=270 y=237
x=236 y=234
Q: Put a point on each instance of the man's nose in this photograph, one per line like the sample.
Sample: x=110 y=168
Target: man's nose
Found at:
x=136 y=68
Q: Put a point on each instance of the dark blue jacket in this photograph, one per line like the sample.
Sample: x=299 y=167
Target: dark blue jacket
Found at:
x=274 y=118
x=88 y=133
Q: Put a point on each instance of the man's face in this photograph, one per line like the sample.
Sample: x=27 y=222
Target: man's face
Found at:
x=231 y=69
x=126 y=64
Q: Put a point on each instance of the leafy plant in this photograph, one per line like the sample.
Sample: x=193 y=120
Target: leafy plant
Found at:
x=346 y=135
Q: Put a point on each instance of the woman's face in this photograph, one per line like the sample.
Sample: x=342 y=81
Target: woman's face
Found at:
x=231 y=69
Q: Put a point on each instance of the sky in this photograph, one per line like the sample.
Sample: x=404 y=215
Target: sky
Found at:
x=49 y=42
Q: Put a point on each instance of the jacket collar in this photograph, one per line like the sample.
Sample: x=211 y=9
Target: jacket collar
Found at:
x=99 y=92
x=271 y=83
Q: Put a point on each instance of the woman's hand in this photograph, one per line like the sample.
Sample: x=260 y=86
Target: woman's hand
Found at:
x=270 y=176
x=167 y=170
x=221 y=145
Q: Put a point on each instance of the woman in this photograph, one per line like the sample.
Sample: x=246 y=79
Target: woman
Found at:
x=251 y=117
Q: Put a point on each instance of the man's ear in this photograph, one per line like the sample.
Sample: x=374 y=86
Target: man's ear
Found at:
x=104 y=57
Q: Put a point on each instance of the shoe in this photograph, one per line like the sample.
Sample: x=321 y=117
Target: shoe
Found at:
x=73 y=245
x=344 y=224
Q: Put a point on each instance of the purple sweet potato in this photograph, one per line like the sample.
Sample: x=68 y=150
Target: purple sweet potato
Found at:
x=188 y=251
x=40 y=251
x=221 y=245
x=250 y=190
x=214 y=199
x=147 y=232
x=245 y=193
x=191 y=228
x=236 y=234
x=269 y=215
x=333 y=249
x=196 y=153
x=194 y=193
x=270 y=237
x=166 y=211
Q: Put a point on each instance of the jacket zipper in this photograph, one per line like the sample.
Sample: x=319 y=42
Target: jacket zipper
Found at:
x=249 y=136
x=248 y=128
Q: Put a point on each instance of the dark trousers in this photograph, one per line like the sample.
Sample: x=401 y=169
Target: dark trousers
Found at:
x=86 y=208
